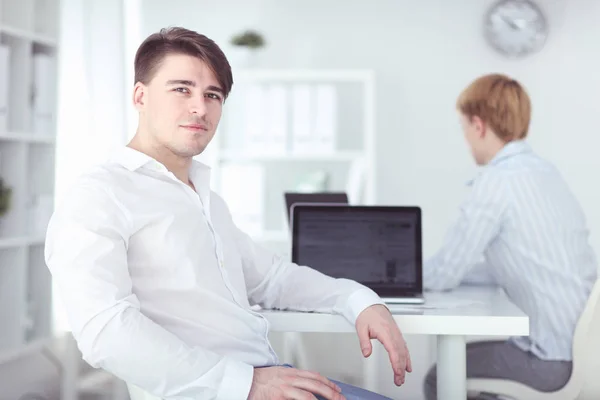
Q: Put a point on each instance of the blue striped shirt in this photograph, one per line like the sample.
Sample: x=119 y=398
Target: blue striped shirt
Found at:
x=522 y=221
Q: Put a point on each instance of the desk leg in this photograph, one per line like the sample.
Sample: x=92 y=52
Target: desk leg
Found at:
x=294 y=351
x=289 y=350
x=372 y=367
x=451 y=367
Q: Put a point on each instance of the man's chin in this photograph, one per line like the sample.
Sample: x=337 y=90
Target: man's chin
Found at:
x=478 y=160
x=190 y=151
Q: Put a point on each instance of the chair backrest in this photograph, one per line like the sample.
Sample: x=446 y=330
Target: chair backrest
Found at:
x=135 y=393
x=586 y=348
x=584 y=383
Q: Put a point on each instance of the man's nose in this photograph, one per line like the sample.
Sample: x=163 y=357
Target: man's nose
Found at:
x=198 y=106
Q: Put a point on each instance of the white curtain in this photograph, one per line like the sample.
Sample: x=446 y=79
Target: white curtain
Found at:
x=95 y=67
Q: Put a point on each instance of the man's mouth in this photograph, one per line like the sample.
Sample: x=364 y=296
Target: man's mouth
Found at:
x=195 y=127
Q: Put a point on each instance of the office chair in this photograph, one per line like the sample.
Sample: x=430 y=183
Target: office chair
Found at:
x=583 y=383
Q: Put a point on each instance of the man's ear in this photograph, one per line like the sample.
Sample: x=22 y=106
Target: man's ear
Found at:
x=479 y=125
x=139 y=96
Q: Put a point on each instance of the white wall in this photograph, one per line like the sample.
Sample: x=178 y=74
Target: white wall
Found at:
x=424 y=53
x=91 y=116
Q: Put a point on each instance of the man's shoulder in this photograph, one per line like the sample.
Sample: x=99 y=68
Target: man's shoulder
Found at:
x=105 y=174
x=530 y=167
x=491 y=176
x=100 y=182
x=521 y=163
x=90 y=201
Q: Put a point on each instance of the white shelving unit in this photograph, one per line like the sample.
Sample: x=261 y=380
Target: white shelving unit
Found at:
x=28 y=52
x=283 y=167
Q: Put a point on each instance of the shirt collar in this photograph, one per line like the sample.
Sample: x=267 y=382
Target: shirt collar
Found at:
x=133 y=159
x=509 y=150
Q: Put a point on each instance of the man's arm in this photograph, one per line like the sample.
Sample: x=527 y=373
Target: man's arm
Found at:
x=273 y=282
x=86 y=251
x=481 y=217
x=480 y=274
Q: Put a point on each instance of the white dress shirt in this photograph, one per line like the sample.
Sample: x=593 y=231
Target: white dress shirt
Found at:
x=158 y=282
x=526 y=225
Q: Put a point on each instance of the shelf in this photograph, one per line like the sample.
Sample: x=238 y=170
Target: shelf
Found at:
x=18 y=241
x=313 y=75
x=28 y=105
x=302 y=130
x=337 y=156
x=43 y=40
x=26 y=137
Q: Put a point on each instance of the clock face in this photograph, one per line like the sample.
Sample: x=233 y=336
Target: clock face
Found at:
x=516 y=27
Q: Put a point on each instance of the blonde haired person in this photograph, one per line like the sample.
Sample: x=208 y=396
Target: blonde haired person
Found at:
x=522 y=220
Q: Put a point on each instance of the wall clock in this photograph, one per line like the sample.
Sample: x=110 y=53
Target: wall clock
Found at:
x=516 y=28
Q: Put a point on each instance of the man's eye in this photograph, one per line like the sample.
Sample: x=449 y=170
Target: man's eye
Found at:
x=214 y=96
x=182 y=90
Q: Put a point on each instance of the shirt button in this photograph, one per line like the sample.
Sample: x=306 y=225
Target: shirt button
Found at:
x=221 y=264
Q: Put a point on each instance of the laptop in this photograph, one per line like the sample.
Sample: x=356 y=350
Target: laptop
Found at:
x=292 y=198
x=377 y=246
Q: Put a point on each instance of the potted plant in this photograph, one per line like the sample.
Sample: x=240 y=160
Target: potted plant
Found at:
x=249 y=38
x=5 y=197
x=246 y=45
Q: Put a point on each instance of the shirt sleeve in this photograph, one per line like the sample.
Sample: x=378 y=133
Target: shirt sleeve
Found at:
x=86 y=252
x=480 y=274
x=274 y=283
x=479 y=222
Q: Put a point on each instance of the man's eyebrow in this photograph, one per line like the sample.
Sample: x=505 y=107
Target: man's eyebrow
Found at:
x=181 y=82
x=216 y=89
x=186 y=82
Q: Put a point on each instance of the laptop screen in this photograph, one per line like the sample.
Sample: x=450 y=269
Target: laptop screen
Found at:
x=378 y=246
x=292 y=198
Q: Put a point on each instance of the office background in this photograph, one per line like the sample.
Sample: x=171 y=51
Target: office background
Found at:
x=422 y=54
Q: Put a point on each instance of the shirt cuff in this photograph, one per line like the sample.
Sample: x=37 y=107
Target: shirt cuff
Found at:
x=237 y=381
x=358 y=302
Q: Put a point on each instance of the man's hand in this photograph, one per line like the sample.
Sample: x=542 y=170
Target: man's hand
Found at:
x=376 y=322
x=279 y=383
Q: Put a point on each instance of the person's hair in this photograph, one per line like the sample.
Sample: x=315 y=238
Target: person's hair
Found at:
x=501 y=102
x=176 y=40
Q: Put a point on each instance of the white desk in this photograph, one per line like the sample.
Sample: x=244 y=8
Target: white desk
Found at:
x=451 y=316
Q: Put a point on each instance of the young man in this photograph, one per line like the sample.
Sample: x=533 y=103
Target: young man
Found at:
x=524 y=223
x=157 y=280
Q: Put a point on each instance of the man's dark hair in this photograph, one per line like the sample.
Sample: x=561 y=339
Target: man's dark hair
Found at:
x=176 y=40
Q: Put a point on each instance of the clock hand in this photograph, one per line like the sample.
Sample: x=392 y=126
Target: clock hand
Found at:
x=510 y=23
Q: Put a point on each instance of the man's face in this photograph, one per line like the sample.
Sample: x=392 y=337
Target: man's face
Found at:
x=474 y=131
x=181 y=106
